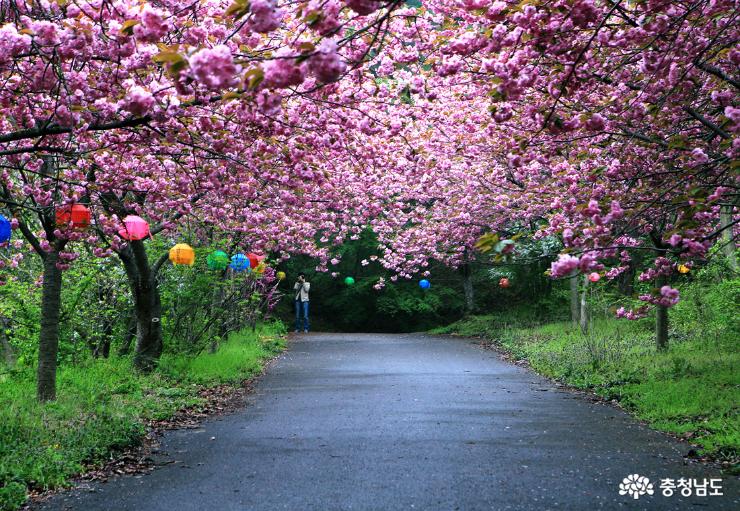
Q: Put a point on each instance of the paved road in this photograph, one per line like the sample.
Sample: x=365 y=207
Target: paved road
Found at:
x=413 y=422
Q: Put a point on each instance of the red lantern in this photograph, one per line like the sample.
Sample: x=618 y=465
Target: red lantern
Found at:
x=76 y=214
x=594 y=277
x=134 y=228
x=503 y=282
x=254 y=259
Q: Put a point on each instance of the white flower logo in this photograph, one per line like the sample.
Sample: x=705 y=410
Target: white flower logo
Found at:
x=635 y=485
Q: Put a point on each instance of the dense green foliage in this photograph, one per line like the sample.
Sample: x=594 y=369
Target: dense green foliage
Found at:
x=103 y=405
x=402 y=306
x=690 y=390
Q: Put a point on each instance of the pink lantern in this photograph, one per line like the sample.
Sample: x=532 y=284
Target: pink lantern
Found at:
x=134 y=228
x=594 y=277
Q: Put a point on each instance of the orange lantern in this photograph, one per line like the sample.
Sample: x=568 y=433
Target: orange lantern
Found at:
x=503 y=282
x=76 y=214
x=682 y=268
x=260 y=269
x=182 y=253
x=134 y=228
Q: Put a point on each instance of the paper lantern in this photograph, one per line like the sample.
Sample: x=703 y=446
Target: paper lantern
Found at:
x=424 y=284
x=281 y=275
x=682 y=268
x=349 y=281
x=260 y=269
x=76 y=214
x=504 y=282
x=254 y=259
x=239 y=262
x=134 y=228
x=5 y=229
x=182 y=253
x=218 y=260
x=594 y=277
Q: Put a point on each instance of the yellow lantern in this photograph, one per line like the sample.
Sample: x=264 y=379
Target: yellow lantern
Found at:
x=281 y=275
x=682 y=268
x=182 y=253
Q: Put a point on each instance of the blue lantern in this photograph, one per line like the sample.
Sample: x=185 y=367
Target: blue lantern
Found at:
x=424 y=284
x=5 y=229
x=239 y=262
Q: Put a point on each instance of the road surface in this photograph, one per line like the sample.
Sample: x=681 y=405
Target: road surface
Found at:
x=413 y=422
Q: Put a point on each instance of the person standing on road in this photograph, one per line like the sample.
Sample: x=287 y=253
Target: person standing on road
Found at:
x=301 y=287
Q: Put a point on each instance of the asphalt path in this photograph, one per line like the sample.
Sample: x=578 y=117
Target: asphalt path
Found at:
x=413 y=422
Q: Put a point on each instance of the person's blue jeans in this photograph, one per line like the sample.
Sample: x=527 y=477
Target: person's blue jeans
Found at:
x=301 y=313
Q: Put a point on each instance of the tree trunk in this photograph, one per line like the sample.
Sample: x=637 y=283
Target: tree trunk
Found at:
x=583 y=315
x=661 y=321
x=626 y=281
x=128 y=336
x=147 y=305
x=574 y=312
x=468 y=289
x=148 y=326
x=49 y=333
x=661 y=327
x=725 y=220
x=8 y=354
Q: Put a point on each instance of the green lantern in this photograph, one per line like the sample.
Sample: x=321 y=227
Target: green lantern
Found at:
x=349 y=281
x=218 y=260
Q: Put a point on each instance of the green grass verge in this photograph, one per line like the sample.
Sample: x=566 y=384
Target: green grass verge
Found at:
x=690 y=390
x=102 y=407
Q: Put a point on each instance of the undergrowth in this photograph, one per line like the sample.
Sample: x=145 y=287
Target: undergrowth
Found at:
x=103 y=406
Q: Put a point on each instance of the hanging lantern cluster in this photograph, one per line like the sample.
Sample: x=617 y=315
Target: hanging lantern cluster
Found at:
x=5 y=229
x=182 y=253
x=78 y=215
x=134 y=228
x=425 y=284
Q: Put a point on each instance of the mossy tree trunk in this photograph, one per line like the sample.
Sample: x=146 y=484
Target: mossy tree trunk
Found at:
x=51 y=298
x=142 y=280
x=728 y=240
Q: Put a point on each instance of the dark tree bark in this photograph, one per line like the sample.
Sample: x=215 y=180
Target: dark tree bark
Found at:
x=574 y=310
x=147 y=304
x=49 y=333
x=626 y=282
x=468 y=289
x=128 y=335
x=661 y=321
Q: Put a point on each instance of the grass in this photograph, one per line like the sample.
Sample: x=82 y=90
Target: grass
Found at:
x=690 y=390
x=102 y=407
